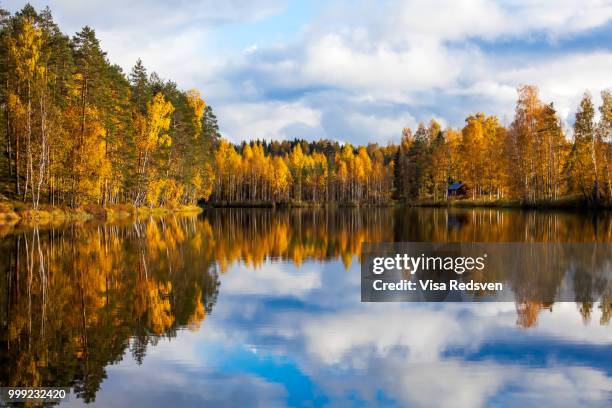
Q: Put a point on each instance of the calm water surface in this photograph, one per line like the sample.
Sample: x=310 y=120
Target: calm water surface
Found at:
x=262 y=307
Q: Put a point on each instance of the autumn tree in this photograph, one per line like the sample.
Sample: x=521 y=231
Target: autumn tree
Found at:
x=551 y=152
x=604 y=136
x=296 y=166
x=152 y=138
x=400 y=164
x=522 y=143
x=27 y=103
x=583 y=160
x=417 y=174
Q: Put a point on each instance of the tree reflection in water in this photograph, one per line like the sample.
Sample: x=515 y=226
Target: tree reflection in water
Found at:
x=75 y=298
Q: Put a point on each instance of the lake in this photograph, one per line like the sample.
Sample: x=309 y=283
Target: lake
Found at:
x=261 y=307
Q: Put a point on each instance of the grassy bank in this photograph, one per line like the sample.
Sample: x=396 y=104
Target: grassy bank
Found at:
x=13 y=212
x=567 y=202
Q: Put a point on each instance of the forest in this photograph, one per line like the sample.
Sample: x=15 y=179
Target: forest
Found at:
x=533 y=160
x=76 y=130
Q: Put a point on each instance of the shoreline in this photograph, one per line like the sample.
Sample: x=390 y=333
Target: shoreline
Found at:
x=296 y=204
x=562 y=203
x=18 y=212
x=12 y=212
x=575 y=203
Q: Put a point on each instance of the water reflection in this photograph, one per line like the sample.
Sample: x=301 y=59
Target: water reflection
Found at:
x=74 y=299
x=285 y=325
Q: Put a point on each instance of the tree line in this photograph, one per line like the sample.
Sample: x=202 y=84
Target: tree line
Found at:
x=300 y=171
x=77 y=130
x=530 y=160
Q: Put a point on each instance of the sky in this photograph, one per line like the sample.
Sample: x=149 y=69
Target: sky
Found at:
x=356 y=71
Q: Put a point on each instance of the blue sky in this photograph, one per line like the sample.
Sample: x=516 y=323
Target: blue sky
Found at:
x=356 y=71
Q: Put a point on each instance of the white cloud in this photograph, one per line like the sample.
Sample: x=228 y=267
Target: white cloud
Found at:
x=402 y=351
x=333 y=61
x=334 y=339
x=152 y=15
x=453 y=383
x=564 y=79
x=337 y=337
x=381 y=129
x=270 y=279
x=264 y=120
x=177 y=62
x=464 y=19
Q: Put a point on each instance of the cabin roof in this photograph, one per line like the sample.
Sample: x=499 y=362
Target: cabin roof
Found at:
x=455 y=186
